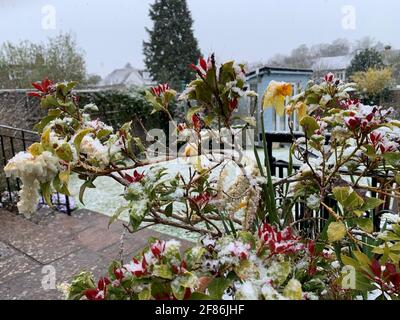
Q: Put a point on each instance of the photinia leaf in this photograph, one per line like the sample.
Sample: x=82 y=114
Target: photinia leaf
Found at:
x=162 y=271
x=79 y=137
x=217 y=287
x=365 y=224
x=45 y=189
x=310 y=125
x=103 y=133
x=347 y=261
x=87 y=184
x=64 y=176
x=361 y=258
x=35 y=149
x=392 y=158
x=49 y=101
x=169 y=209
x=64 y=152
x=144 y=295
x=371 y=203
x=117 y=214
x=45 y=140
x=192 y=112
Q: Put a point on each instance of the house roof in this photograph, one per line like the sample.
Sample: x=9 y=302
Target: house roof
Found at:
x=127 y=76
x=275 y=70
x=332 y=63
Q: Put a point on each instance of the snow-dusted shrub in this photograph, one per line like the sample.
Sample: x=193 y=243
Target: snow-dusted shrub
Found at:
x=251 y=247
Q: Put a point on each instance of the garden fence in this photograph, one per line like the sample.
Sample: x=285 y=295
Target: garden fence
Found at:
x=14 y=140
x=314 y=222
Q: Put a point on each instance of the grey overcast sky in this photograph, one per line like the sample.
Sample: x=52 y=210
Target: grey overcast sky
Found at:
x=111 y=32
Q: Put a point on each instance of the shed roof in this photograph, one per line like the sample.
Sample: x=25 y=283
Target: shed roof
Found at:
x=275 y=70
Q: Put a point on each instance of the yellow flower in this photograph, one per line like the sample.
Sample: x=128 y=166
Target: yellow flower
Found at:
x=300 y=107
x=275 y=96
x=289 y=109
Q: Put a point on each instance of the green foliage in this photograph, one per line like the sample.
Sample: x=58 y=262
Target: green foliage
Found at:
x=374 y=84
x=172 y=45
x=58 y=59
x=209 y=270
x=118 y=106
x=364 y=60
x=257 y=258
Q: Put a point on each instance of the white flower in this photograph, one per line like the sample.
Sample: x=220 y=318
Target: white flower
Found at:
x=135 y=266
x=270 y=293
x=251 y=94
x=90 y=107
x=31 y=170
x=172 y=246
x=208 y=241
x=98 y=125
x=64 y=288
x=233 y=252
x=95 y=150
x=313 y=202
x=247 y=291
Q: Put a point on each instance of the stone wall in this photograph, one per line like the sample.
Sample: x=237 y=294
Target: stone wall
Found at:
x=18 y=110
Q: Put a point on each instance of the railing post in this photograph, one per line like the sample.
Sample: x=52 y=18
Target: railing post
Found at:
x=67 y=205
x=270 y=156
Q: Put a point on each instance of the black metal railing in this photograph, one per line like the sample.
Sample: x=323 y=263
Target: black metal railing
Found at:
x=12 y=141
x=280 y=168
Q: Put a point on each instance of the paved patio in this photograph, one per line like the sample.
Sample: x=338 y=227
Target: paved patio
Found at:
x=69 y=244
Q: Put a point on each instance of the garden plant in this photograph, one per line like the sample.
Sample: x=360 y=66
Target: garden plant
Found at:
x=250 y=244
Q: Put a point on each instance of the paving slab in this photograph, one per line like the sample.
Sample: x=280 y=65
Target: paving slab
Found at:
x=16 y=265
x=65 y=244
x=5 y=251
x=29 y=286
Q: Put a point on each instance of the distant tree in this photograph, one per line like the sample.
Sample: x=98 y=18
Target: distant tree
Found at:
x=374 y=84
x=368 y=43
x=92 y=79
x=59 y=59
x=64 y=60
x=338 y=47
x=304 y=56
x=277 y=60
x=299 y=58
x=172 y=45
x=392 y=59
x=365 y=60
